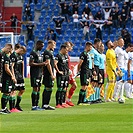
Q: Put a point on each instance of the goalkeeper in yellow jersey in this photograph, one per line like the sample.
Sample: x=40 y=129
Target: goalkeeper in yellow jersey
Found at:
x=111 y=66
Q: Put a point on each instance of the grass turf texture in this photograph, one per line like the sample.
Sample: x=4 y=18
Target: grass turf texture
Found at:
x=103 y=118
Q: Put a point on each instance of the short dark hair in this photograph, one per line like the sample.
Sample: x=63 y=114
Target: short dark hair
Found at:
x=17 y=46
x=39 y=42
x=120 y=37
x=88 y=44
x=96 y=40
x=106 y=43
x=63 y=46
x=9 y=44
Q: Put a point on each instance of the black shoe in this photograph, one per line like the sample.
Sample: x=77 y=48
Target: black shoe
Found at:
x=5 y=111
x=49 y=108
x=19 y=108
x=8 y=112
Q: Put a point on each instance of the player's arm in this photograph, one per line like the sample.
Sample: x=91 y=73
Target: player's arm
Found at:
x=56 y=67
x=128 y=66
x=50 y=69
x=23 y=68
x=79 y=65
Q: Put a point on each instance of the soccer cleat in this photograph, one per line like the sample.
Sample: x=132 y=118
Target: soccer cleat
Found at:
x=113 y=100
x=64 y=105
x=59 y=106
x=69 y=103
x=19 y=108
x=108 y=100
x=3 y=112
x=49 y=108
x=14 y=110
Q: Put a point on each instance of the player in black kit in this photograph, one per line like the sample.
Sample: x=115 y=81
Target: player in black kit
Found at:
x=48 y=78
x=62 y=75
x=84 y=72
x=7 y=78
x=18 y=71
x=36 y=63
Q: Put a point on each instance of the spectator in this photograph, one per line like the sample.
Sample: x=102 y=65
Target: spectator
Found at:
x=123 y=18
x=58 y=22
x=35 y=1
x=0 y=16
x=86 y=28
x=84 y=16
x=125 y=7
x=91 y=18
x=126 y=37
x=99 y=29
x=13 y=20
x=75 y=19
x=87 y=10
x=114 y=17
x=75 y=8
x=98 y=16
x=30 y=28
x=65 y=11
x=131 y=16
x=52 y=35
x=106 y=13
x=113 y=3
x=27 y=11
x=47 y=34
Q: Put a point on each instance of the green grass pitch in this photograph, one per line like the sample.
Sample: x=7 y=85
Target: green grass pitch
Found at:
x=98 y=118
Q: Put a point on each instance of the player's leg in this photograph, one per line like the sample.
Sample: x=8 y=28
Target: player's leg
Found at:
x=46 y=95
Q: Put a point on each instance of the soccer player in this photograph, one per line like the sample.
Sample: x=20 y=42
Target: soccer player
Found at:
x=18 y=71
x=48 y=78
x=120 y=57
x=83 y=68
x=71 y=79
x=62 y=76
x=111 y=66
x=36 y=63
x=7 y=78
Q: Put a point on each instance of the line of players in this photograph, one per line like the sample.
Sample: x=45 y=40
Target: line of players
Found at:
x=91 y=67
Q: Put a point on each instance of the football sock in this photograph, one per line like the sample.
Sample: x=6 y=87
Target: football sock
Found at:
x=34 y=98
x=58 y=96
x=81 y=96
x=63 y=93
x=4 y=100
x=18 y=101
x=38 y=97
x=11 y=102
x=46 y=96
x=109 y=90
x=71 y=92
x=127 y=87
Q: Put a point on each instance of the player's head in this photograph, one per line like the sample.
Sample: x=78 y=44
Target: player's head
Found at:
x=109 y=44
x=120 y=42
x=97 y=43
x=69 y=45
x=22 y=50
x=51 y=45
x=8 y=48
x=64 y=49
x=39 y=45
x=88 y=46
x=17 y=46
x=101 y=48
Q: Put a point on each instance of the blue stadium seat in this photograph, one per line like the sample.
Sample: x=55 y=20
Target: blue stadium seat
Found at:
x=30 y=44
x=41 y=37
x=38 y=6
x=75 y=31
x=49 y=13
x=43 y=12
x=45 y=25
x=60 y=37
x=70 y=25
x=47 y=19
x=66 y=37
x=38 y=26
x=43 y=31
x=51 y=5
x=68 y=31
x=52 y=25
x=112 y=37
x=41 y=19
x=32 y=6
x=56 y=12
x=36 y=32
x=64 y=25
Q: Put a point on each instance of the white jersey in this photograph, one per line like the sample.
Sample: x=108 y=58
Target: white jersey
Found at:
x=125 y=60
x=119 y=56
x=130 y=55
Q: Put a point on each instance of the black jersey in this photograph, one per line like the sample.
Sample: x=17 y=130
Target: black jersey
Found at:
x=84 y=67
x=62 y=63
x=36 y=57
x=48 y=55
x=6 y=60
x=1 y=54
x=18 y=67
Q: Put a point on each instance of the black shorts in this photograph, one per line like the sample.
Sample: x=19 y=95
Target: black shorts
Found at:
x=47 y=81
x=20 y=85
x=101 y=71
x=96 y=78
x=84 y=78
x=62 y=81
x=90 y=74
x=7 y=86
x=35 y=81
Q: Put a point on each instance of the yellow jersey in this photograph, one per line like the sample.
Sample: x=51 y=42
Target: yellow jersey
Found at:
x=111 y=63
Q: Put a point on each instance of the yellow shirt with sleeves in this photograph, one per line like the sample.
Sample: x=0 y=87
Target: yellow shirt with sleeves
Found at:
x=111 y=63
